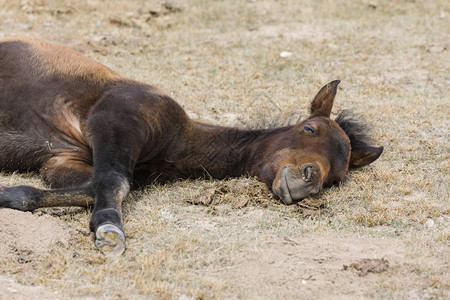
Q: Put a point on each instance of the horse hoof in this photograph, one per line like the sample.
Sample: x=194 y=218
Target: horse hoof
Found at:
x=110 y=240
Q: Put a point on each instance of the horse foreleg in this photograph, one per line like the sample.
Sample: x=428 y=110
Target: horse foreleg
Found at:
x=117 y=141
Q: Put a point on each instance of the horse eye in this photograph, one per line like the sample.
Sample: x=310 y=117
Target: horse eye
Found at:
x=308 y=129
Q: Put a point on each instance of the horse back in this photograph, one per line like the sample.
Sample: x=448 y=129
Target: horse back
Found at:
x=49 y=94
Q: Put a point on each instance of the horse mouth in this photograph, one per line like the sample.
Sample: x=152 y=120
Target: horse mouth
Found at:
x=296 y=184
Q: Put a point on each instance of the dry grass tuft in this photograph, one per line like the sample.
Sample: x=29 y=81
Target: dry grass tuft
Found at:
x=236 y=192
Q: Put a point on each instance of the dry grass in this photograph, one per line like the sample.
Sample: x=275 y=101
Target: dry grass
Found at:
x=220 y=60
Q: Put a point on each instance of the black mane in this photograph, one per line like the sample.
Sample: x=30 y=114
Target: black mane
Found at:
x=355 y=129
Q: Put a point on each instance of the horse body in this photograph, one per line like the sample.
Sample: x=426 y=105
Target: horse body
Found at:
x=92 y=134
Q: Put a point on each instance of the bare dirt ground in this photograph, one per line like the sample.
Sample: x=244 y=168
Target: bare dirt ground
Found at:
x=206 y=239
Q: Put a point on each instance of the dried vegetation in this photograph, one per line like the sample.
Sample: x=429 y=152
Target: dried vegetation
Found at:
x=230 y=239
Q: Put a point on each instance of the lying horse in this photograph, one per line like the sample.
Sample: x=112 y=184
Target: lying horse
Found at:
x=92 y=134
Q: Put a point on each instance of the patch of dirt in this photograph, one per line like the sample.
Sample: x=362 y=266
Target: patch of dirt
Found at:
x=296 y=31
x=23 y=234
x=312 y=266
x=369 y=265
x=11 y=290
x=24 y=238
x=146 y=15
x=238 y=192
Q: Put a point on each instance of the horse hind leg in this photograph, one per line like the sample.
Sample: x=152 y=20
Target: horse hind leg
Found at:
x=23 y=198
x=66 y=173
x=27 y=198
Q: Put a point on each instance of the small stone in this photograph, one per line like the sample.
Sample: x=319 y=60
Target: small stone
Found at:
x=186 y=297
x=285 y=54
x=304 y=281
x=429 y=224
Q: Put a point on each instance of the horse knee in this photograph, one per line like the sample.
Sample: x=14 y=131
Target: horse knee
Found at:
x=110 y=190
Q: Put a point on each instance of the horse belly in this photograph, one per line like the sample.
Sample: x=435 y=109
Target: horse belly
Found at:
x=21 y=151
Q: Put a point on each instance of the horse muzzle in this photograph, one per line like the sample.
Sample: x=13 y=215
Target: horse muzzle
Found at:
x=293 y=184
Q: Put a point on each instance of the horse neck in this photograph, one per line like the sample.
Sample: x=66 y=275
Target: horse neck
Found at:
x=219 y=152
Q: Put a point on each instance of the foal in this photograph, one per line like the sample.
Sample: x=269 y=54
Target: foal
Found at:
x=92 y=134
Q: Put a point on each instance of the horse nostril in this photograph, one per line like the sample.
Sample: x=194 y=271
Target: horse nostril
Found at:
x=307 y=172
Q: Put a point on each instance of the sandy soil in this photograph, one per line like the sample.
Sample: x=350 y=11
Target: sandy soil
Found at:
x=25 y=234
x=270 y=269
x=309 y=265
x=23 y=237
x=11 y=290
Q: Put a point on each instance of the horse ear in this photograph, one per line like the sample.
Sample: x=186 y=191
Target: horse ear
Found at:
x=323 y=102
x=364 y=155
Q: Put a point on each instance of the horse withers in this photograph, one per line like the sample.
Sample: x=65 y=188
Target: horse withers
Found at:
x=93 y=134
